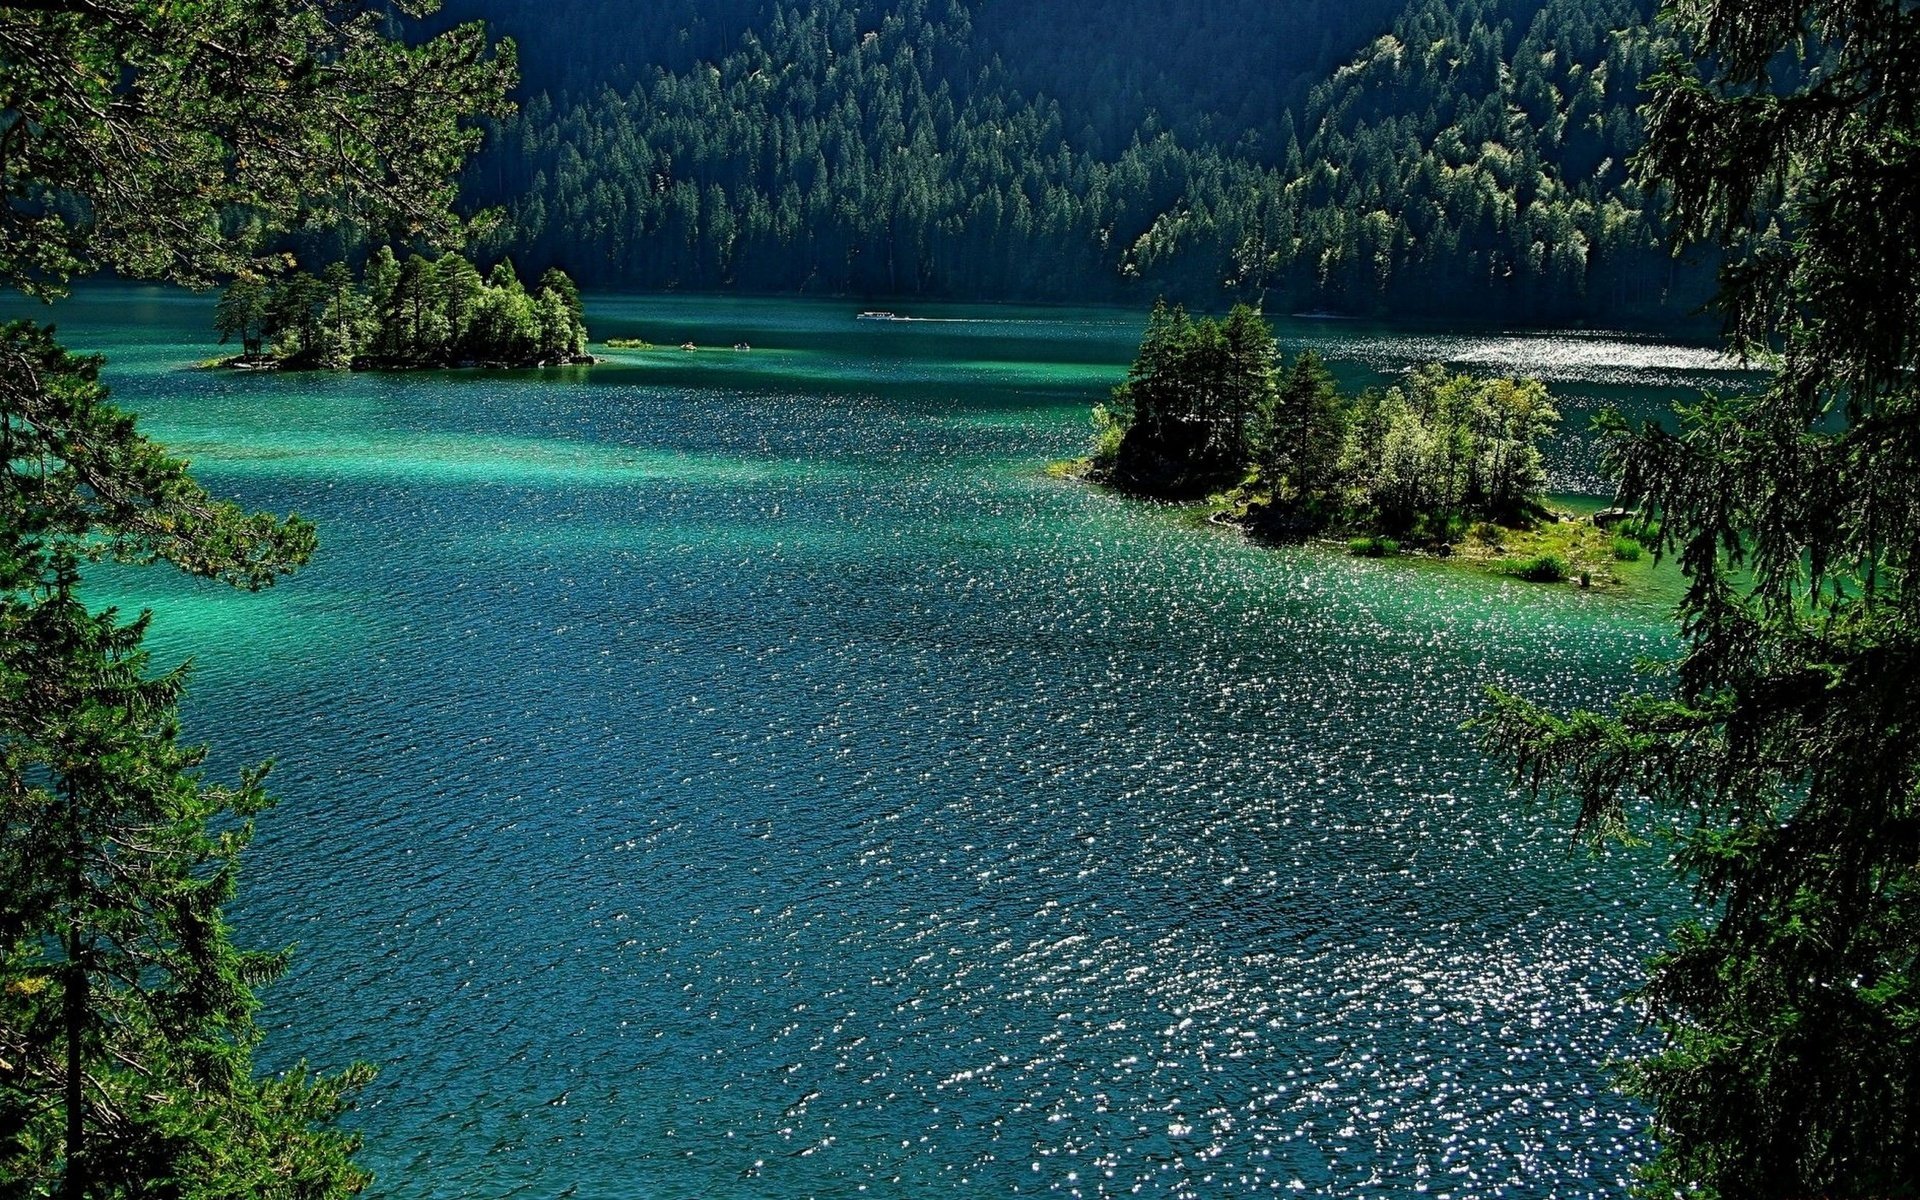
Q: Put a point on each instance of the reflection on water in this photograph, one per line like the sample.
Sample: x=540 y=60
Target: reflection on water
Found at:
x=746 y=774
x=1570 y=357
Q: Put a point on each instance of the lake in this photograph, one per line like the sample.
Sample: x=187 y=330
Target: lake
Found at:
x=748 y=773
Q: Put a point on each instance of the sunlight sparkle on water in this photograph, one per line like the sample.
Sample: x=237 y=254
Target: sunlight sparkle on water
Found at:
x=721 y=781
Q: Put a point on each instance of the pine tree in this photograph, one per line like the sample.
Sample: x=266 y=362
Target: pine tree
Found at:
x=299 y=316
x=417 y=309
x=344 y=319
x=125 y=995
x=384 y=306
x=1305 y=438
x=1251 y=360
x=413 y=314
x=245 y=310
x=125 y=1010
x=459 y=285
x=1787 y=752
x=126 y=1029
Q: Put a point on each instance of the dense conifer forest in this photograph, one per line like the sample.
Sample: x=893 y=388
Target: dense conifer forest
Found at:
x=1456 y=156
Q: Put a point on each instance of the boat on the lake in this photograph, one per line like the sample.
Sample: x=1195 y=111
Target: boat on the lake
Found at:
x=879 y=315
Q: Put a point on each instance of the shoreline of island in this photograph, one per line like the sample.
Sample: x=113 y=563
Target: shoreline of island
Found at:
x=419 y=315
x=1441 y=465
x=1589 y=554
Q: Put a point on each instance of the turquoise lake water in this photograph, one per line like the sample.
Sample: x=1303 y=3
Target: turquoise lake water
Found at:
x=748 y=774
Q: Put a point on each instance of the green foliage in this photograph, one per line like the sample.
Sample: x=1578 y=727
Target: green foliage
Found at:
x=1443 y=447
x=167 y=141
x=114 y=856
x=1225 y=72
x=1196 y=402
x=1787 y=750
x=1373 y=546
x=1626 y=549
x=168 y=144
x=114 y=958
x=1109 y=432
x=78 y=474
x=1472 y=159
x=1205 y=402
x=1306 y=436
x=419 y=313
x=1540 y=568
x=245 y=310
x=1644 y=530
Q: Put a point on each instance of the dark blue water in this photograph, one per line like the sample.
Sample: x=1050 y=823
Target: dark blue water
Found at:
x=749 y=774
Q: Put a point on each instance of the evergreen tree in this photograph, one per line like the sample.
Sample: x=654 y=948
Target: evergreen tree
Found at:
x=155 y=126
x=384 y=306
x=1306 y=437
x=299 y=316
x=125 y=1012
x=1194 y=398
x=1147 y=397
x=344 y=319
x=245 y=311
x=418 y=313
x=1787 y=752
x=1251 y=361
x=1470 y=159
x=459 y=285
x=1204 y=404
x=126 y=997
x=133 y=132
x=416 y=310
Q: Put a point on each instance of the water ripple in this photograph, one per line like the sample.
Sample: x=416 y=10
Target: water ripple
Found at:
x=890 y=817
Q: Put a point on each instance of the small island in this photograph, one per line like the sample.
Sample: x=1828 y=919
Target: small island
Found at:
x=418 y=314
x=1444 y=463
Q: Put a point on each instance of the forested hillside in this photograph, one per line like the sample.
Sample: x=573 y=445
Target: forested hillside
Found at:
x=1470 y=157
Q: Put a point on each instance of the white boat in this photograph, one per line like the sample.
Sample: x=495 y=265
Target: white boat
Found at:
x=878 y=316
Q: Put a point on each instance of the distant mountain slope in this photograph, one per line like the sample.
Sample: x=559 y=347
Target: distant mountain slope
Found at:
x=1221 y=73
x=1466 y=156
x=1213 y=70
x=1470 y=158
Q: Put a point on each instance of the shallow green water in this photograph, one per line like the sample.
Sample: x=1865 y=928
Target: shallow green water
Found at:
x=747 y=774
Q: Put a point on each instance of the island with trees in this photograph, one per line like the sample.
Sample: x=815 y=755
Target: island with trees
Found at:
x=419 y=313
x=1442 y=462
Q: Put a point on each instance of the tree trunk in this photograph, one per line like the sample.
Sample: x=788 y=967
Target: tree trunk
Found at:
x=74 y=1182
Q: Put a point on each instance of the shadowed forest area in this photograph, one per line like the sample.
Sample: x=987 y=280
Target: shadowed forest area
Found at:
x=1457 y=157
